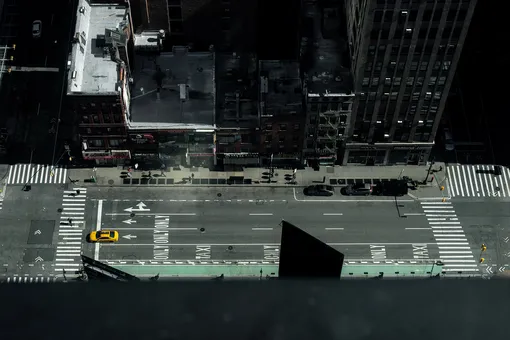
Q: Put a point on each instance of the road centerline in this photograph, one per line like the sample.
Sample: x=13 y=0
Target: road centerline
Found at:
x=261 y=214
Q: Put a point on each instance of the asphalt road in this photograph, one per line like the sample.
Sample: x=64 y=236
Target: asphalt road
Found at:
x=243 y=224
x=487 y=223
x=28 y=223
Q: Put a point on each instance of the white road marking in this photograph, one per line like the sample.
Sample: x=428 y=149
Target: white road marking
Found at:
x=258 y=244
x=98 y=227
x=261 y=214
x=151 y=229
x=418 y=228
x=332 y=214
x=334 y=228
x=261 y=229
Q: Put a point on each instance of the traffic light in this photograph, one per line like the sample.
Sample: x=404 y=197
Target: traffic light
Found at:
x=483 y=247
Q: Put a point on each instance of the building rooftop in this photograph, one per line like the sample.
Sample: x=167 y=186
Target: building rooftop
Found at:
x=186 y=95
x=280 y=87
x=93 y=67
x=237 y=90
x=149 y=15
x=327 y=60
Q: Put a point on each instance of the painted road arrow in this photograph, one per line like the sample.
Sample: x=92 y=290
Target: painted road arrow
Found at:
x=506 y=239
x=502 y=269
x=130 y=221
x=39 y=259
x=129 y=237
x=37 y=232
x=141 y=207
x=489 y=269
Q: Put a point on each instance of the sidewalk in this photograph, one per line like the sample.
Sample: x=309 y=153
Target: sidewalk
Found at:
x=337 y=176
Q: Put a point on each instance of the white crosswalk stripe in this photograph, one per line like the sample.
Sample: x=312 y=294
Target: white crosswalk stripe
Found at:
x=36 y=174
x=28 y=279
x=70 y=232
x=454 y=250
x=477 y=181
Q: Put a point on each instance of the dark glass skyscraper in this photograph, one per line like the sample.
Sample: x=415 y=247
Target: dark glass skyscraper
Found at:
x=404 y=56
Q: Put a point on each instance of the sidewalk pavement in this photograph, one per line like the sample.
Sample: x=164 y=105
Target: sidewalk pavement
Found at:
x=253 y=177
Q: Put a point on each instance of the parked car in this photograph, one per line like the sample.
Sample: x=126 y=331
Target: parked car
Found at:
x=396 y=187
x=357 y=190
x=319 y=190
x=36 y=28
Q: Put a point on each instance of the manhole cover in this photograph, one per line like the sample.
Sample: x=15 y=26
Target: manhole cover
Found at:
x=111 y=181
x=60 y=210
x=219 y=194
x=132 y=214
x=202 y=230
x=230 y=247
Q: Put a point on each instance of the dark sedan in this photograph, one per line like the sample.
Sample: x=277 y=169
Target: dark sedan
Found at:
x=319 y=190
x=357 y=190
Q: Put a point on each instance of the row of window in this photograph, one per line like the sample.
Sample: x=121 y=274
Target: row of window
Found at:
x=412 y=15
x=422 y=34
x=282 y=138
x=281 y=127
x=105 y=118
x=398 y=80
x=325 y=107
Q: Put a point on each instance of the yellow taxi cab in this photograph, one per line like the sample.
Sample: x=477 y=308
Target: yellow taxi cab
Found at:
x=104 y=236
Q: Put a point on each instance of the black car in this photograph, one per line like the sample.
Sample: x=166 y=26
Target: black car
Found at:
x=357 y=190
x=319 y=190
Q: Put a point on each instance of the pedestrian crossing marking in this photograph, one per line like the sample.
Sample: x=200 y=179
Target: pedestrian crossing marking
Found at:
x=36 y=174
x=71 y=228
x=453 y=245
x=478 y=181
x=29 y=279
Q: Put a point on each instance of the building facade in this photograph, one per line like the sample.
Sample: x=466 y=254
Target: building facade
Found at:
x=328 y=82
x=98 y=91
x=237 y=116
x=404 y=54
x=281 y=113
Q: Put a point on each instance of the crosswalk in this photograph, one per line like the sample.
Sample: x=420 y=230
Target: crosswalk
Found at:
x=70 y=232
x=477 y=181
x=28 y=279
x=36 y=174
x=454 y=249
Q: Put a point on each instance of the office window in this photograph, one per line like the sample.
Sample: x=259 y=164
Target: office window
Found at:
x=462 y=15
x=397 y=81
x=375 y=82
x=423 y=65
x=413 y=15
x=387 y=81
x=374 y=34
x=446 y=65
x=378 y=15
x=442 y=80
x=388 y=16
x=432 y=81
x=446 y=32
x=451 y=14
x=410 y=81
x=283 y=127
x=414 y=65
x=365 y=82
x=437 y=14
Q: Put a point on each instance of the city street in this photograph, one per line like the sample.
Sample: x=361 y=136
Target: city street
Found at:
x=159 y=224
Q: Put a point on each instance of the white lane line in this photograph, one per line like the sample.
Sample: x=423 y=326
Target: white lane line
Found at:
x=413 y=214
x=461 y=180
x=456 y=257
x=261 y=229
x=456 y=261
x=450 y=182
x=63 y=260
x=261 y=214
x=264 y=244
x=443 y=223
x=456 y=252
x=505 y=172
x=68 y=251
x=466 y=248
x=418 y=228
x=452 y=243
x=73 y=204
x=440 y=215
x=74 y=208
x=449 y=227
x=98 y=227
x=69 y=254
x=451 y=239
x=72 y=238
x=332 y=214
x=64 y=247
x=448 y=231
x=67 y=265
x=72 y=213
x=467 y=180
x=472 y=170
x=68 y=243
x=436 y=219
x=436 y=203
x=334 y=228
x=438 y=211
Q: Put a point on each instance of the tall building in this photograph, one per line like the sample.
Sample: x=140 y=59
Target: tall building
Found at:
x=404 y=56
x=327 y=75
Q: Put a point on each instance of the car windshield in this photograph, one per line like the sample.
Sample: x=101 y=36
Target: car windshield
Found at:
x=36 y=27
x=112 y=234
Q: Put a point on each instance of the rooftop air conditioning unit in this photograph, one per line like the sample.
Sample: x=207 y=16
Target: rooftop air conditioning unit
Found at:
x=82 y=10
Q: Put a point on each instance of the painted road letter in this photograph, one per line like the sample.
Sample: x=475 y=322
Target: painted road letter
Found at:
x=160 y=238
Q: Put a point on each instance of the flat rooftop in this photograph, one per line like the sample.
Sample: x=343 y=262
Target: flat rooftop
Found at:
x=93 y=71
x=149 y=15
x=186 y=95
x=328 y=72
